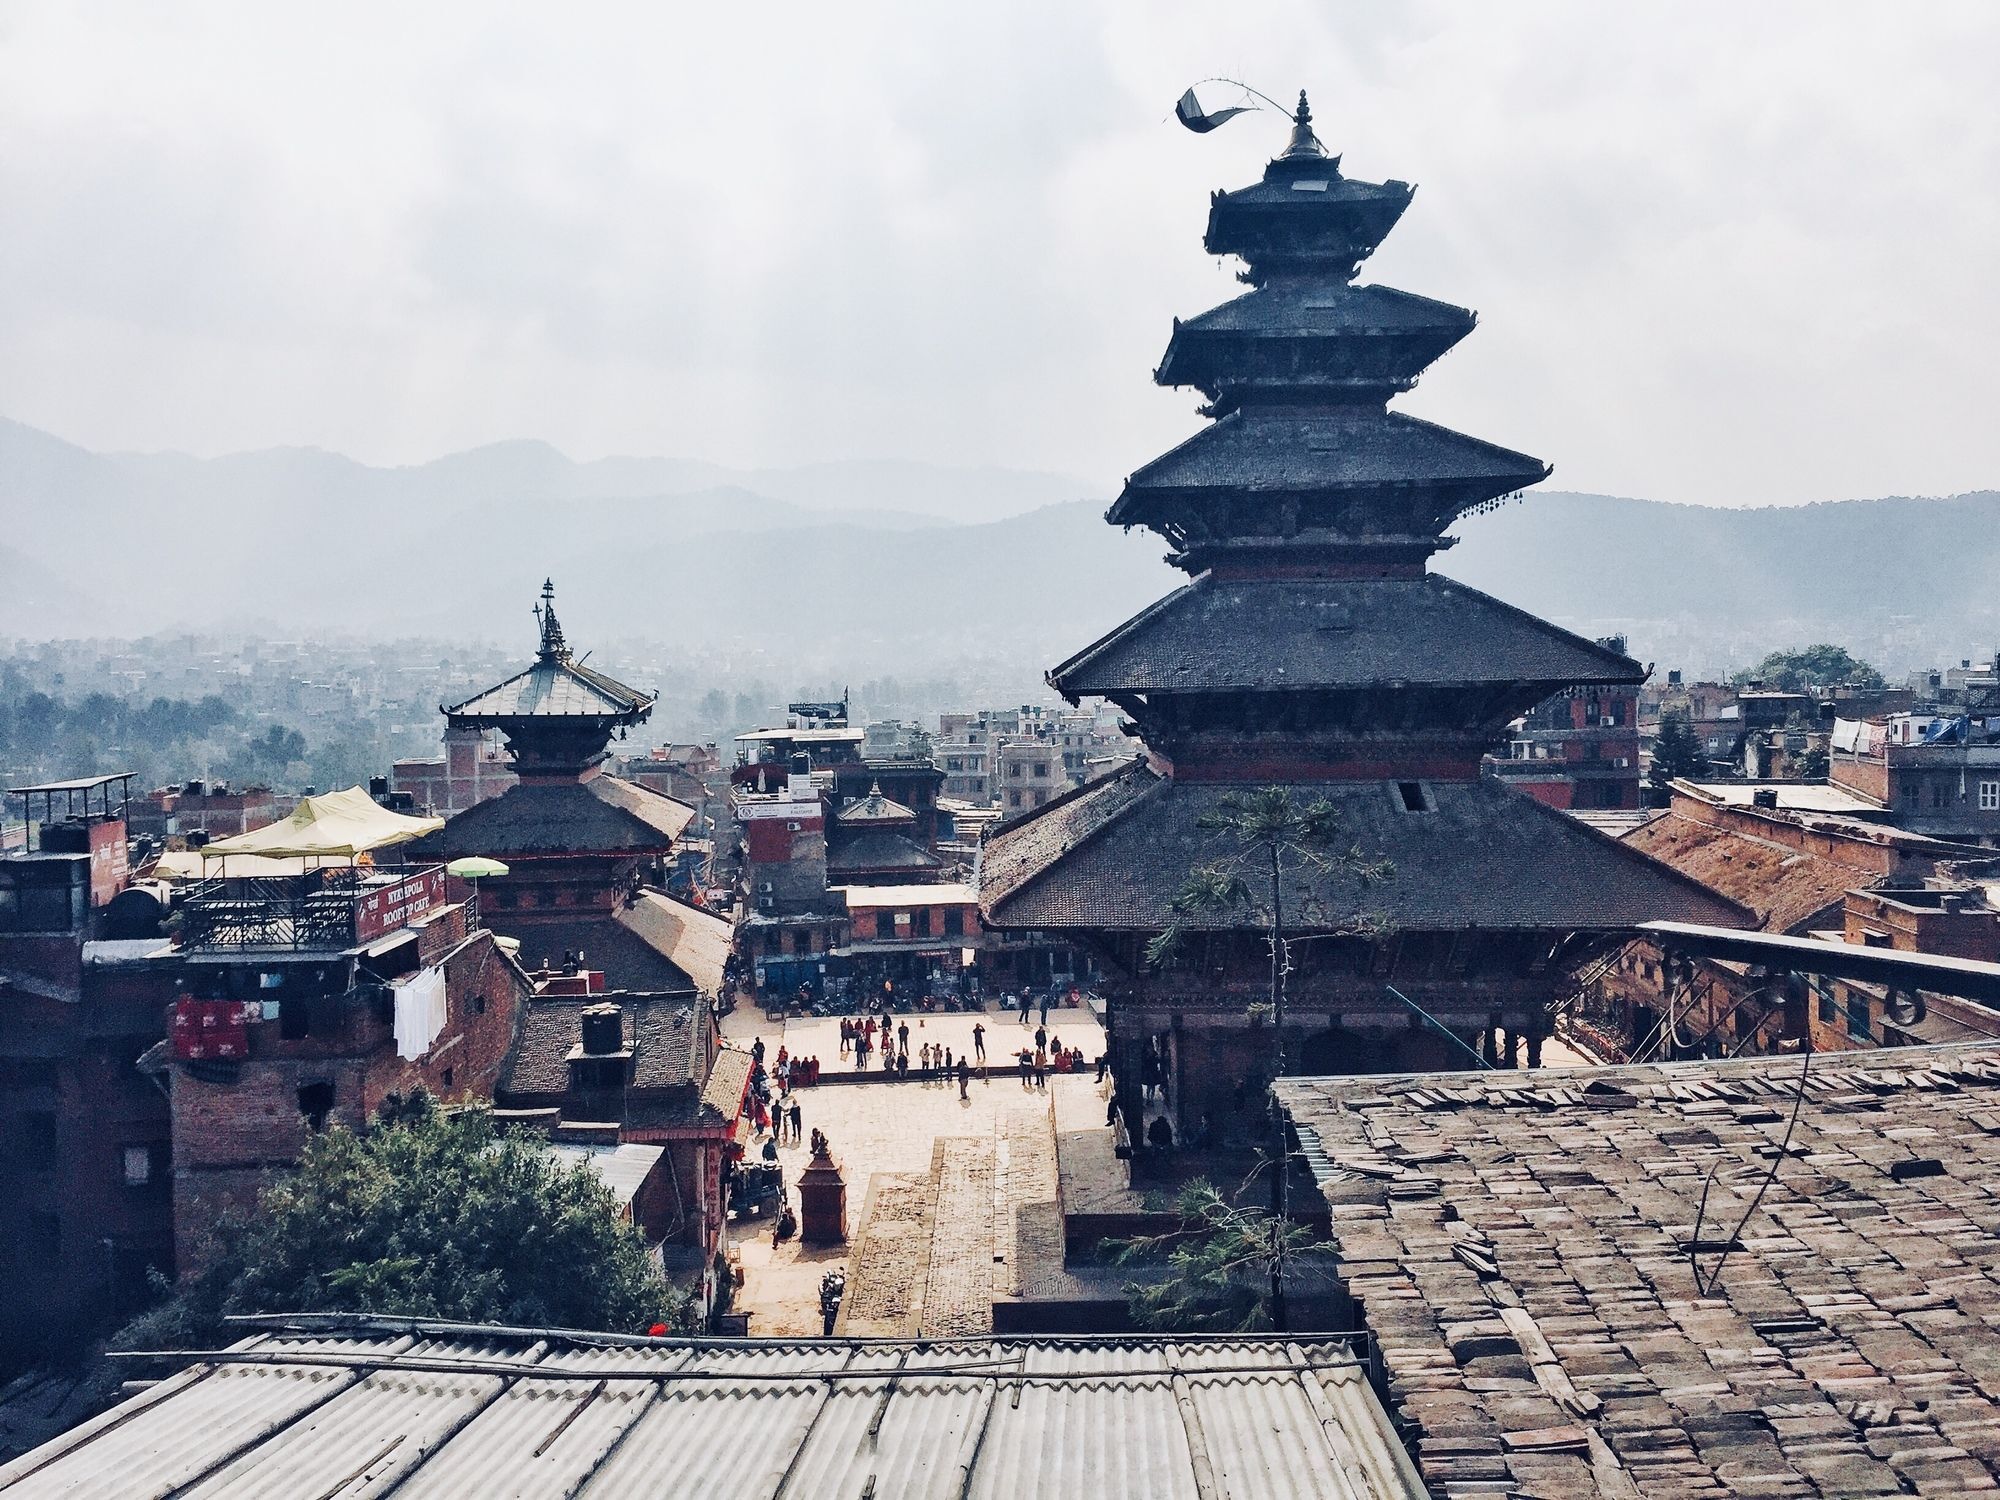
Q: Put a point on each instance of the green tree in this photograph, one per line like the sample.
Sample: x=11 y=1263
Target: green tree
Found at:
x=1816 y=666
x=1270 y=840
x=1209 y=1269
x=1815 y=764
x=425 y=1213
x=1676 y=751
x=278 y=747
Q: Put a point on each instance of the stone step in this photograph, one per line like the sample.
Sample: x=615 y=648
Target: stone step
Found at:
x=958 y=1294
x=891 y=1262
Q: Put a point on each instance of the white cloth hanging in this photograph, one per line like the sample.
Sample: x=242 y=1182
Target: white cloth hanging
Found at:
x=420 y=1012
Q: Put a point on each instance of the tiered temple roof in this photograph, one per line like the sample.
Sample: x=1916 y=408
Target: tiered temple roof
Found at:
x=1313 y=648
x=576 y=840
x=558 y=715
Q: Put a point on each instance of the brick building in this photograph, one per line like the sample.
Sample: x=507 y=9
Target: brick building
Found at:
x=86 y=1159
x=473 y=768
x=789 y=918
x=599 y=1067
x=1578 y=749
x=271 y=1041
x=215 y=810
x=1950 y=791
x=1794 y=869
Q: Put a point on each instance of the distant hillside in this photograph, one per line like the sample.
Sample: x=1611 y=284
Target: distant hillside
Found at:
x=1903 y=582
x=856 y=566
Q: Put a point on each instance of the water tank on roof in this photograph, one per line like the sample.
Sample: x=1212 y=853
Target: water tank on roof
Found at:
x=136 y=912
x=603 y=1030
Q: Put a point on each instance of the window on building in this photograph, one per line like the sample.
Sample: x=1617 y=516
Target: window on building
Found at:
x=1989 y=796
x=1829 y=1013
x=1041 y=768
x=1938 y=790
x=954 y=921
x=138 y=1164
x=1857 y=1015
x=1013 y=799
x=316 y=1103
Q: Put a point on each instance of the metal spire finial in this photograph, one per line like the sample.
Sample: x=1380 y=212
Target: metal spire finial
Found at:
x=554 y=647
x=1303 y=142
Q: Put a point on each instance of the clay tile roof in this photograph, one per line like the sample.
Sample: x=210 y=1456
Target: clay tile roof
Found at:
x=1276 y=449
x=1785 y=886
x=662 y=1031
x=1305 y=310
x=1281 y=634
x=1525 y=1247
x=605 y=814
x=1114 y=856
x=878 y=849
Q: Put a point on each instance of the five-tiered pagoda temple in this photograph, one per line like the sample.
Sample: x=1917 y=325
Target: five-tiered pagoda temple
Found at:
x=1313 y=649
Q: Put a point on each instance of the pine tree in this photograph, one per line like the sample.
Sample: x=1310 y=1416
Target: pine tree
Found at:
x=1676 y=752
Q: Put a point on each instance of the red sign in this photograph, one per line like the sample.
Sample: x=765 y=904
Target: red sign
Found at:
x=109 y=862
x=388 y=907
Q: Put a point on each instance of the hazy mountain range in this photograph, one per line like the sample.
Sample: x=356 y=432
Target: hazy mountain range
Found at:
x=887 y=565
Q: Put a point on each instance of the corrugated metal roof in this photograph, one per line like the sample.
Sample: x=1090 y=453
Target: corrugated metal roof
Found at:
x=623 y=1168
x=529 y=1415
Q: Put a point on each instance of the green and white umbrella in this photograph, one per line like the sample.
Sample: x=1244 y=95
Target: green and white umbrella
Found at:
x=475 y=867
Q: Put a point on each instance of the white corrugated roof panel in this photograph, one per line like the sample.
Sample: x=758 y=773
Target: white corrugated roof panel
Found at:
x=529 y=1414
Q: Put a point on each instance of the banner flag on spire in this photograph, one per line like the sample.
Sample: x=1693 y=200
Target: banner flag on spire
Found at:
x=1189 y=113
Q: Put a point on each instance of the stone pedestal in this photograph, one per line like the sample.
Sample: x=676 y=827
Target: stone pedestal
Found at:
x=822 y=1202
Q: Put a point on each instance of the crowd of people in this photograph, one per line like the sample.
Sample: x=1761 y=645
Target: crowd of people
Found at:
x=771 y=1104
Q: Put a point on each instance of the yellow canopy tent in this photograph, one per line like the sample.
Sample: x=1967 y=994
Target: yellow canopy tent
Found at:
x=338 y=825
x=187 y=864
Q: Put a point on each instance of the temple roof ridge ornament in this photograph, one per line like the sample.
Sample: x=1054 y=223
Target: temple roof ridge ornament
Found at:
x=1303 y=142
x=554 y=647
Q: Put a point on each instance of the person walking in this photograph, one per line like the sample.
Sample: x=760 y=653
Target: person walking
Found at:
x=1027 y=1004
x=979 y=1041
x=903 y=1036
x=964 y=1077
x=1041 y=1038
x=1045 y=1007
x=797 y=1118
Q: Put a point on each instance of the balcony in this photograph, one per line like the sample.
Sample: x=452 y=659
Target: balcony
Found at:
x=330 y=910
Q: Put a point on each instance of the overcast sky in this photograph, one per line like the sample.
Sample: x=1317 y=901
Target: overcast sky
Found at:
x=1725 y=253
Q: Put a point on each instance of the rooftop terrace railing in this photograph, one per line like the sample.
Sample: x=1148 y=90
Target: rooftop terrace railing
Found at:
x=332 y=909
